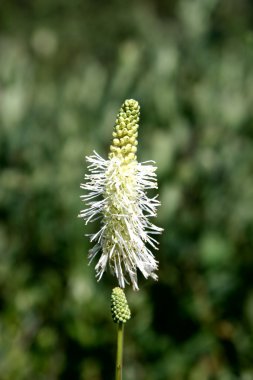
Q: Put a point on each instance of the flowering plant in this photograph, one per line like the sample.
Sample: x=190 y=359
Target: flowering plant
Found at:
x=116 y=194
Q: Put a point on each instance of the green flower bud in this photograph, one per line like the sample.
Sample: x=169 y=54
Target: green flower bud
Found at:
x=125 y=131
x=119 y=306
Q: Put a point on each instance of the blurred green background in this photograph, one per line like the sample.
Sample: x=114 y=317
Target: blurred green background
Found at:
x=65 y=69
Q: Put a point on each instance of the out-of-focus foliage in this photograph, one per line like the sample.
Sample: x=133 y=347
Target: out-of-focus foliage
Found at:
x=65 y=68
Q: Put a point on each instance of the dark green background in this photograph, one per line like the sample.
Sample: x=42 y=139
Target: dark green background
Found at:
x=65 y=68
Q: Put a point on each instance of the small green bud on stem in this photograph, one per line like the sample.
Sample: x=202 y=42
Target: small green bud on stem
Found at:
x=119 y=306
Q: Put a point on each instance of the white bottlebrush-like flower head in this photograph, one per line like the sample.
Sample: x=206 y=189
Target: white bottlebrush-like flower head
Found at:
x=116 y=194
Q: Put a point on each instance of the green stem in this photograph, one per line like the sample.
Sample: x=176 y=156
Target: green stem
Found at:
x=119 y=356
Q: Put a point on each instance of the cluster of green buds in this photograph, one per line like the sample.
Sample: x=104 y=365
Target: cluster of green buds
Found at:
x=124 y=143
x=119 y=306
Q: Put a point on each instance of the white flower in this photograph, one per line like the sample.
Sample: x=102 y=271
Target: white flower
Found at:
x=117 y=195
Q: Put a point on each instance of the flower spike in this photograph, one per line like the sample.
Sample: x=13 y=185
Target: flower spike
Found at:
x=119 y=306
x=116 y=194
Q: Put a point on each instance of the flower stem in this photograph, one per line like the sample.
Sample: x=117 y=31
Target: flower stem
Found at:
x=119 y=356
